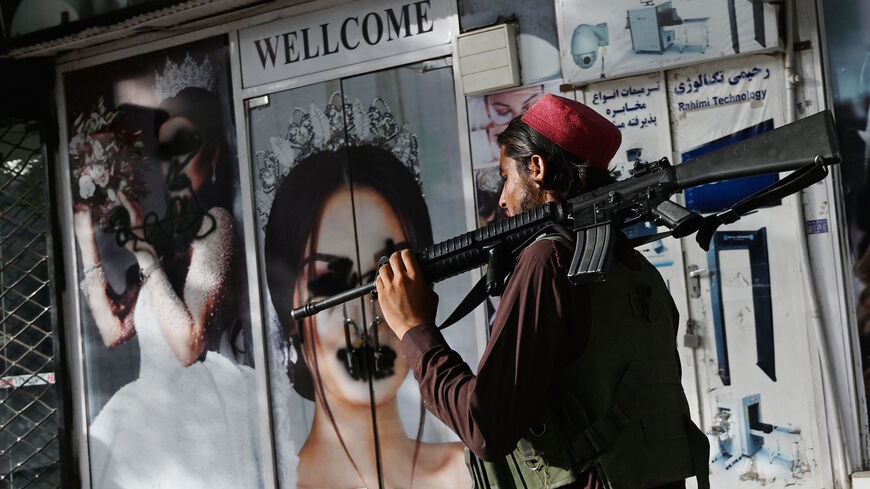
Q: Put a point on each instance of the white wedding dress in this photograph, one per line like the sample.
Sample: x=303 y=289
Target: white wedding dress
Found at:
x=175 y=426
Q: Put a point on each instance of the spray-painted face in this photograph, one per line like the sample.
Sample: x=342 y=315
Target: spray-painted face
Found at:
x=186 y=163
x=338 y=338
x=363 y=355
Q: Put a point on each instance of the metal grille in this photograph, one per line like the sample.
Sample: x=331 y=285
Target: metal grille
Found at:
x=29 y=416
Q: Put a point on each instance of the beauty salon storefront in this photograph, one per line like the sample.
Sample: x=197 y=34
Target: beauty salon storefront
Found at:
x=215 y=178
x=265 y=163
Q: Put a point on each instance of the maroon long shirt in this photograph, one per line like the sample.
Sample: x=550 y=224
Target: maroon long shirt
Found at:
x=542 y=324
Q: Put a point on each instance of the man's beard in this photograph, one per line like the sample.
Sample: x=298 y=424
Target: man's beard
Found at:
x=532 y=196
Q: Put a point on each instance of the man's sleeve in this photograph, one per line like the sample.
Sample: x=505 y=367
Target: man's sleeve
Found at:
x=491 y=411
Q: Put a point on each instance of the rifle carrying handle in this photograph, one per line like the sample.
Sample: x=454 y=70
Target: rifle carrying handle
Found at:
x=593 y=251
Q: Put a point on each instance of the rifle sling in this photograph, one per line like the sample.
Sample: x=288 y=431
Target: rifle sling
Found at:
x=478 y=294
x=474 y=298
x=797 y=180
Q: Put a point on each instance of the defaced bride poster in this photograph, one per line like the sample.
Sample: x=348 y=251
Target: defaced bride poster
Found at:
x=168 y=355
x=346 y=171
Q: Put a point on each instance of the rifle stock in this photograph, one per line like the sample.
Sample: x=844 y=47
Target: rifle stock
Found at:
x=594 y=217
x=785 y=148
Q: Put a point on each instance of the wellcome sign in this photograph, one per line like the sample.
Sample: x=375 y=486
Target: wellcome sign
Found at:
x=340 y=36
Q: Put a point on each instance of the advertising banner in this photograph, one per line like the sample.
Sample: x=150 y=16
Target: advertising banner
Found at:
x=743 y=93
x=489 y=115
x=340 y=36
x=168 y=354
x=847 y=24
x=638 y=106
x=753 y=354
x=624 y=37
x=345 y=172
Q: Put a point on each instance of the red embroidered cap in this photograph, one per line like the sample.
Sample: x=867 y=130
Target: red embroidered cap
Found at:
x=575 y=128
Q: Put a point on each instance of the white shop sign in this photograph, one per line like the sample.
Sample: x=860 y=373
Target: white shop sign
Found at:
x=346 y=34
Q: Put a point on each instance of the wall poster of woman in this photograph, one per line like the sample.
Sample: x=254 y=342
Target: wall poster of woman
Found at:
x=847 y=28
x=168 y=355
x=488 y=115
x=345 y=172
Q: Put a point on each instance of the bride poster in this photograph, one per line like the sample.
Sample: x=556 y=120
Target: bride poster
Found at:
x=347 y=171
x=168 y=356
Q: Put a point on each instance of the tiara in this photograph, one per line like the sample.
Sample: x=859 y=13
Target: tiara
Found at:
x=188 y=73
x=340 y=123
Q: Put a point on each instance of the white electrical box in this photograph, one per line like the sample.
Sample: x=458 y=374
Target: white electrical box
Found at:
x=861 y=480
x=488 y=59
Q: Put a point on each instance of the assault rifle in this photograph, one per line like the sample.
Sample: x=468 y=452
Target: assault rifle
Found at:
x=592 y=219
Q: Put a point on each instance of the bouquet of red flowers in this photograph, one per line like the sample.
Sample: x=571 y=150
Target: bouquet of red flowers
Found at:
x=103 y=160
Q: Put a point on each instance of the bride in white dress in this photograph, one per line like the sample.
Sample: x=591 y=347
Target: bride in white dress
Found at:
x=189 y=420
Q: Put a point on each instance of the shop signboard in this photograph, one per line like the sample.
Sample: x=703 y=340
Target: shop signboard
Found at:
x=340 y=36
x=625 y=37
x=754 y=360
x=347 y=171
x=847 y=24
x=638 y=107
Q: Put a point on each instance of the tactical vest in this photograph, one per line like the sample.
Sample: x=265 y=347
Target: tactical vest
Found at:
x=619 y=408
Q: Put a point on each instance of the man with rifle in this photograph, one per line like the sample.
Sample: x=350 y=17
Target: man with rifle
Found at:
x=579 y=385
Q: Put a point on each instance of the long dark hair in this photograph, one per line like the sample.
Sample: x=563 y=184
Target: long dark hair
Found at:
x=566 y=174
x=295 y=218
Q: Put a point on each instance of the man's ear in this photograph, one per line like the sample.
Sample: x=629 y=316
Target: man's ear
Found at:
x=537 y=168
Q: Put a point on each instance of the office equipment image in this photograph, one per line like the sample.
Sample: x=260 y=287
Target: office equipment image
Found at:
x=585 y=43
x=757 y=23
x=756 y=243
x=692 y=33
x=656 y=28
x=740 y=433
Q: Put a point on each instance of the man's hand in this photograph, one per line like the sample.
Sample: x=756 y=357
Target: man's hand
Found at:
x=405 y=296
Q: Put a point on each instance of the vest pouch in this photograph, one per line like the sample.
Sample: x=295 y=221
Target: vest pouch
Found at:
x=675 y=432
x=540 y=461
x=642 y=439
x=590 y=438
x=573 y=420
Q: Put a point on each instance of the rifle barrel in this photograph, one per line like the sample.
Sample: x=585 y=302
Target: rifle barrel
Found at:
x=313 y=308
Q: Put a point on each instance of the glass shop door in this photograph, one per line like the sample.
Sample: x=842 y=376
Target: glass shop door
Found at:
x=346 y=171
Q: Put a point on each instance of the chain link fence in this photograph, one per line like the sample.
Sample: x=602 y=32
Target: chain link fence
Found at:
x=29 y=405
